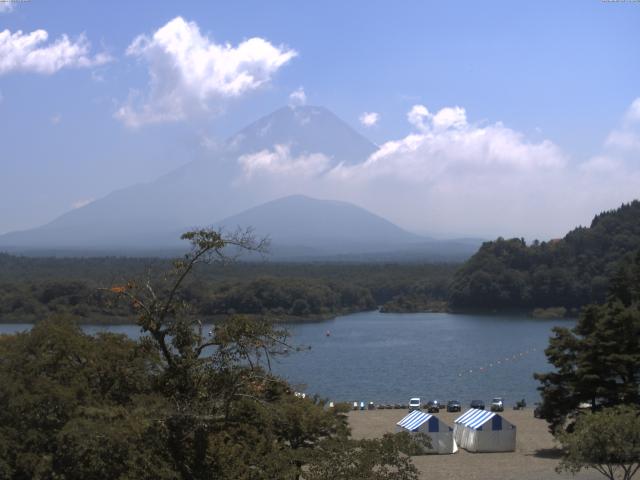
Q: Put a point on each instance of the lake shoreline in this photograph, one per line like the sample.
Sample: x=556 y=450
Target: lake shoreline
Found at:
x=110 y=320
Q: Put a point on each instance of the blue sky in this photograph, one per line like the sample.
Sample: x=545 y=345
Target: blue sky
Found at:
x=564 y=72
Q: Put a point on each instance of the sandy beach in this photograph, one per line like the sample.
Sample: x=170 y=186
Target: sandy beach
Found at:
x=536 y=455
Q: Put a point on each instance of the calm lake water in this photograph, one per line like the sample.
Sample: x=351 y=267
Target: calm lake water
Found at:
x=388 y=358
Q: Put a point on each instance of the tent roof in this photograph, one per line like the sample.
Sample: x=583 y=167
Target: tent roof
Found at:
x=474 y=418
x=414 y=420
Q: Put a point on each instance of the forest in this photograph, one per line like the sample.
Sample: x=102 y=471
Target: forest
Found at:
x=569 y=272
x=33 y=288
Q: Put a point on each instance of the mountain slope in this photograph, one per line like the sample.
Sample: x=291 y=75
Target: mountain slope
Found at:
x=322 y=226
x=568 y=272
x=198 y=193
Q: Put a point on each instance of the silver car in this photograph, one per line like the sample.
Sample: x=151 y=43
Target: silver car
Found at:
x=497 y=404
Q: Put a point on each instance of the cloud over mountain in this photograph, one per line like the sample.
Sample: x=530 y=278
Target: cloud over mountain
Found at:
x=445 y=143
x=369 y=119
x=298 y=97
x=281 y=162
x=453 y=175
x=190 y=72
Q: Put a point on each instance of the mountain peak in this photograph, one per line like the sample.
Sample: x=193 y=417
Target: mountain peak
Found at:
x=326 y=225
x=190 y=195
x=305 y=129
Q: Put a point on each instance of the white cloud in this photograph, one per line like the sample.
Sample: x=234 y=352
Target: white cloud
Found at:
x=447 y=145
x=83 y=202
x=298 y=97
x=369 y=119
x=417 y=115
x=6 y=7
x=451 y=176
x=626 y=137
x=20 y=52
x=600 y=164
x=420 y=117
x=189 y=72
x=450 y=117
x=633 y=112
x=280 y=162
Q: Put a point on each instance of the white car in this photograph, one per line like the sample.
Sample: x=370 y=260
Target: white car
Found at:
x=497 y=404
x=414 y=404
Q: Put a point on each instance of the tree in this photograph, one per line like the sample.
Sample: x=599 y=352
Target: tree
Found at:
x=180 y=403
x=606 y=441
x=598 y=361
x=76 y=406
x=230 y=417
x=377 y=459
x=570 y=272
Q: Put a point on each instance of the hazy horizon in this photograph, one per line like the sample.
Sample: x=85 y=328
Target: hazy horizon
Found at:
x=490 y=120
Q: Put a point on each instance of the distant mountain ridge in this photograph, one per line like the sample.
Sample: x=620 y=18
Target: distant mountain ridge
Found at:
x=304 y=228
x=201 y=192
x=325 y=225
x=570 y=272
x=147 y=219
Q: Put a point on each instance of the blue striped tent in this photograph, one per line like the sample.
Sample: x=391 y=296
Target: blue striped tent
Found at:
x=483 y=431
x=440 y=433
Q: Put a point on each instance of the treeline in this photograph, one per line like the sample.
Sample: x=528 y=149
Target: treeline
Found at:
x=570 y=272
x=33 y=288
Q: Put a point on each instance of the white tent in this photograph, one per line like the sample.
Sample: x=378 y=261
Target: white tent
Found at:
x=482 y=431
x=440 y=433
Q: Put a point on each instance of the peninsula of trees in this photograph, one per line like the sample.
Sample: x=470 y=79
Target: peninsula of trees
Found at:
x=570 y=272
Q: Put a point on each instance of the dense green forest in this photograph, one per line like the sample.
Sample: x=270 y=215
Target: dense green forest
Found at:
x=570 y=272
x=32 y=288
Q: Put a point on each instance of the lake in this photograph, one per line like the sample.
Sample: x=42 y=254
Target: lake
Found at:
x=388 y=358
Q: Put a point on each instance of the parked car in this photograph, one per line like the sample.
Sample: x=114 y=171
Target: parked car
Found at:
x=414 y=404
x=454 y=406
x=497 y=404
x=537 y=411
x=520 y=404
x=433 y=406
x=477 y=404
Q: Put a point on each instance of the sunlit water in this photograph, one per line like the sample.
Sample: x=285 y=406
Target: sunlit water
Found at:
x=387 y=358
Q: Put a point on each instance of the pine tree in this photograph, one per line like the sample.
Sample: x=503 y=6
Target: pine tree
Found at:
x=598 y=361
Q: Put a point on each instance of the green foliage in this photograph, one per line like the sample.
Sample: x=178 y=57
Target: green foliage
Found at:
x=180 y=403
x=570 y=272
x=378 y=459
x=606 y=441
x=33 y=288
x=71 y=402
x=598 y=361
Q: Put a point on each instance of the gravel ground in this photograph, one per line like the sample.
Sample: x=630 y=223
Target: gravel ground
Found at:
x=536 y=455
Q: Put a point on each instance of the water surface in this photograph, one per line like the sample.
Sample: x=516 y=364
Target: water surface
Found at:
x=387 y=358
